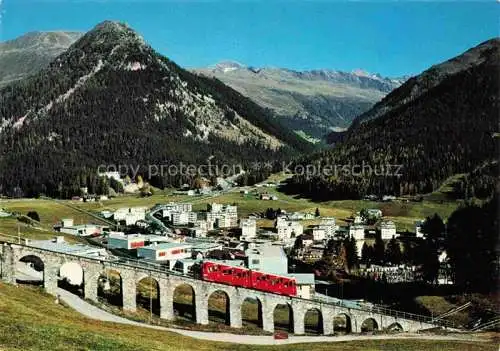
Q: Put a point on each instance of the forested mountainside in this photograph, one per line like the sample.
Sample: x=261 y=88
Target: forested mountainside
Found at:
x=31 y=52
x=479 y=183
x=451 y=127
x=430 y=78
x=111 y=99
x=312 y=102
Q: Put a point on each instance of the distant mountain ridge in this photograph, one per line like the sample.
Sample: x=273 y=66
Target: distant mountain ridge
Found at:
x=31 y=52
x=111 y=99
x=315 y=101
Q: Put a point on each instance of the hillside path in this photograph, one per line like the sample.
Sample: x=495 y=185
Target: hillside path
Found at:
x=96 y=313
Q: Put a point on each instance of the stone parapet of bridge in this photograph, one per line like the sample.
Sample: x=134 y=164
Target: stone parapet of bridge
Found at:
x=167 y=282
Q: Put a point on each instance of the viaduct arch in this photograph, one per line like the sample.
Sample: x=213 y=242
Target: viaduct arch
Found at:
x=166 y=283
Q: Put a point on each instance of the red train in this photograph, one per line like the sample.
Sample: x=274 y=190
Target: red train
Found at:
x=246 y=278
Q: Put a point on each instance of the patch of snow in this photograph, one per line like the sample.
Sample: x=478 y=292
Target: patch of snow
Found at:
x=80 y=82
x=5 y=123
x=114 y=49
x=52 y=136
x=19 y=123
x=135 y=66
x=229 y=69
x=164 y=65
x=209 y=99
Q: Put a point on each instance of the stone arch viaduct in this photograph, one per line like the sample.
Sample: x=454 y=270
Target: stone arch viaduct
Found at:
x=132 y=272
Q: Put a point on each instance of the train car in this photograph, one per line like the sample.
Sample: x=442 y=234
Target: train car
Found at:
x=242 y=277
x=226 y=274
x=274 y=283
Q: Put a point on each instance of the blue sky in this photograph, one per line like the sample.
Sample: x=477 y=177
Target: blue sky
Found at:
x=391 y=38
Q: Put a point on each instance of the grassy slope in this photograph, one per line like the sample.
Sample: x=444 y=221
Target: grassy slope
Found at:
x=29 y=320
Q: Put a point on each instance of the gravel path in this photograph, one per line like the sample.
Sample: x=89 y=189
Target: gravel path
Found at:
x=94 y=312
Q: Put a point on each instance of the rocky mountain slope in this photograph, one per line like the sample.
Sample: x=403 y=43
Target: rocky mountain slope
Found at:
x=31 y=52
x=440 y=123
x=314 y=102
x=111 y=99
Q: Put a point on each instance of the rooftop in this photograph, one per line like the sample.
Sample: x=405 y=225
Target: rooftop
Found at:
x=232 y=263
x=84 y=226
x=204 y=246
x=61 y=246
x=266 y=250
x=121 y=235
x=165 y=246
x=302 y=278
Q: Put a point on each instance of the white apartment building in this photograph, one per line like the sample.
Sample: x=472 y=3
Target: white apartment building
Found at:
x=172 y=207
x=224 y=216
x=289 y=229
x=204 y=224
x=329 y=226
x=357 y=231
x=130 y=215
x=248 y=228
x=198 y=232
x=226 y=220
x=215 y=208
x=281 y=221
x=359 y=246
x=319 y=234
x=418 y=229
x=180 y=218
x=387 y=230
